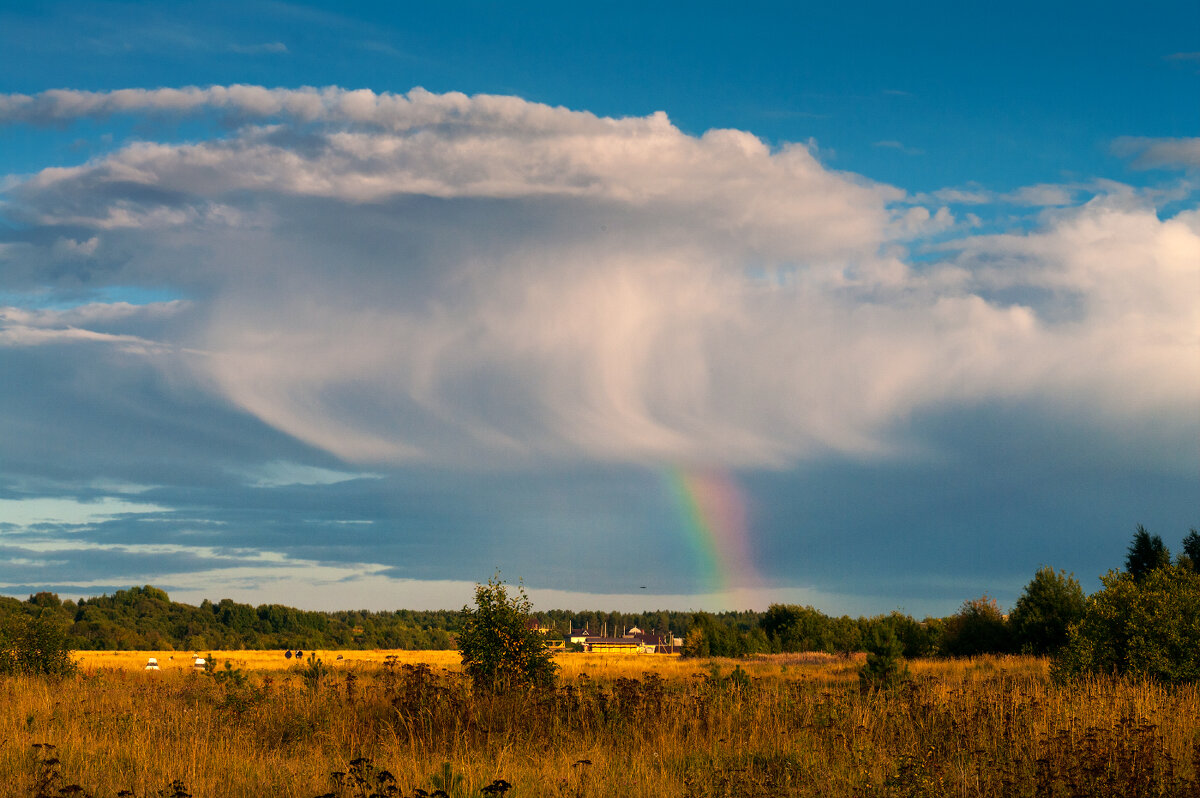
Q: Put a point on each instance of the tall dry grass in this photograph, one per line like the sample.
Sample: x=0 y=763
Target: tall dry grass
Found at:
x=617 y=725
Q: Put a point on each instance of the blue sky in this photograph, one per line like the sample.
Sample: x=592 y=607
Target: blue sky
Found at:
x=351 y=308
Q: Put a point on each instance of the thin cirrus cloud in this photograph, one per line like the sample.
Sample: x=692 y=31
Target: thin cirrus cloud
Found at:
x=451 y=279
x=263 y=48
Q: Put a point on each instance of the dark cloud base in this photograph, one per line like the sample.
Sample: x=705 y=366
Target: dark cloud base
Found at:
x=987 y=506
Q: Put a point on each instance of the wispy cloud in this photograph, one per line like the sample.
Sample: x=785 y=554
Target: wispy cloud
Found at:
x=265 y=48
x=1042 y=195
x=1160 y=153
x=895 y=145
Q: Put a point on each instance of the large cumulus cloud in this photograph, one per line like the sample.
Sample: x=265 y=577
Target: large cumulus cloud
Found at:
x=453 y=279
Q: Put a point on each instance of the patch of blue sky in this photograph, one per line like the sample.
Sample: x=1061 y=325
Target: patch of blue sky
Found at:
x=109 y=294
x=26 y=149
x=138 y=294
x=30 y=512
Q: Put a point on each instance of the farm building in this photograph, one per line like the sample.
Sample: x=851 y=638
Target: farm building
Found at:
x=634 y=641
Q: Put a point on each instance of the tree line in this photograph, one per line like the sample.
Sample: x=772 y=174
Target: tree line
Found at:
x=1142 y=622
x=145 y=618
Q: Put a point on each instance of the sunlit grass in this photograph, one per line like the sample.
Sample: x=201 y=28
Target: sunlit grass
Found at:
x=617 y=725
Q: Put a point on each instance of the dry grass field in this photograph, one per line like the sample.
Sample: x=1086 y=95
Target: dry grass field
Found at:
x=616 y=726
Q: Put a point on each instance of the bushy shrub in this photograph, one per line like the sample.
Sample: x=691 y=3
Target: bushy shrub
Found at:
x=33 y=646
x=919 y=638
x=1145 y=628
x=499 y=649
x=884 y=667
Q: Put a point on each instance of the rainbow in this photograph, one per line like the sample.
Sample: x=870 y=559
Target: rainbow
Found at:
x=714 y=514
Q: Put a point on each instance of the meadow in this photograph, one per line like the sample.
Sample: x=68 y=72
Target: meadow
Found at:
x=399 y=723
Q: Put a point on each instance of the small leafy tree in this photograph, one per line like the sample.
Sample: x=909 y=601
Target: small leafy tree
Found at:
x=1050 y=604
x=1147 y=628
x=34 y=646
x=499 y=650
x=1146 y=553
x=695 y=645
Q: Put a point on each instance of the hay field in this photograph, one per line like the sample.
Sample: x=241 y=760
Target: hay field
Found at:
x=274 y=660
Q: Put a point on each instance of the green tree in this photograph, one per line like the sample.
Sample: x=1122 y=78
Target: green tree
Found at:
x=35 y=646
x=728 y=634
x=1045 y=611
x=844 y=636
x=45 y=601
x=1191 y=549
x=977 y=628
x=796 y=628
x=498 y=648
x=1146 y=553
x=1147 y=628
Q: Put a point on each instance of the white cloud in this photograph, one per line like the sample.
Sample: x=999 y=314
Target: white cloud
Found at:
x=1127 y=280
x=69 y=247
x=497 y=148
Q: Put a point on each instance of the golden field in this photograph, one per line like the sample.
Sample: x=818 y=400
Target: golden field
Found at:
x=617 y=725
x=90 y=661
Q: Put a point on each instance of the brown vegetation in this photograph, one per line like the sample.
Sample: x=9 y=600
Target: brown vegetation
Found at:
x=644 y=725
